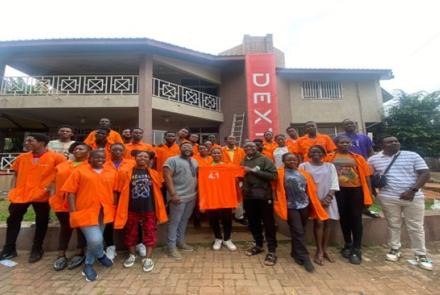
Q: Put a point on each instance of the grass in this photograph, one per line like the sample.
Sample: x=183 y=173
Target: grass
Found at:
x=29 y=216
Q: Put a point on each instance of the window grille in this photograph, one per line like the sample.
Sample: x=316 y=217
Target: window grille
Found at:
x=321 y=90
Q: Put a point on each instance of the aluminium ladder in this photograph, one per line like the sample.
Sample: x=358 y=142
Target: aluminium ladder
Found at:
x=237 y=127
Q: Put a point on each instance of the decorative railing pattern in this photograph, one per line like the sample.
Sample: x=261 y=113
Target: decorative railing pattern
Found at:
x=101 y=85
x=6 y=160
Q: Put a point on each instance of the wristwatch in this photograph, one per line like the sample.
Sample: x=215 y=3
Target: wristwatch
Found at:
x=414 y=189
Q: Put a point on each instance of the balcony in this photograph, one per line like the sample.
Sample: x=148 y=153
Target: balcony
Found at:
x=106 y=85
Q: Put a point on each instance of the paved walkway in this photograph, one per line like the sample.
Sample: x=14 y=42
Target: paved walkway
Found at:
x=223 y=272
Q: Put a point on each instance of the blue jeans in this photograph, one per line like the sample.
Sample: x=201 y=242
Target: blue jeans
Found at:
x=177 y=221
x=95 y=241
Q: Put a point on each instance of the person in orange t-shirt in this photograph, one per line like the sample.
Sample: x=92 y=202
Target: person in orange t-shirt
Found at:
x=218 y=196
x=213 y=139
x=166 y=150
x=126 y=135
x=140 y=203
x=137 y=144
x=312 y=138
x=102 y=141
x=92 y=199
x=33 y=177
x=59 y=205
x=269 y=145
x=203 y=158
x=354 y=192
x=182 y=136
x=291 y=141
x=113 y=135
x=194 y=139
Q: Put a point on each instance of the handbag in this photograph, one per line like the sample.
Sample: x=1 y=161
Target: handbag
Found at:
x=380 y=181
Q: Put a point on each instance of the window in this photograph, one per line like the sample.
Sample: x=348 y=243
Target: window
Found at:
x=321 y=90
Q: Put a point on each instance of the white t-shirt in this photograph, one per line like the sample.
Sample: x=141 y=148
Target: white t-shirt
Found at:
x=278 y=156
x=402 y=175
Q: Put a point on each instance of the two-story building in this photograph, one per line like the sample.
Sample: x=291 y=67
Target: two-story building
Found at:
x=159 y=86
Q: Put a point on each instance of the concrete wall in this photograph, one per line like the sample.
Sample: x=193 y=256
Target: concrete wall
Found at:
x=284 y=104
x=360 y=102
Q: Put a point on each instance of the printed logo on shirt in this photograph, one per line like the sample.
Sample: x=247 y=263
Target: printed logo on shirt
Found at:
x=140 y=186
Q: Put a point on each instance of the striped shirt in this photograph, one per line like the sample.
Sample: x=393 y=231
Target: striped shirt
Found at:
x=402 y=175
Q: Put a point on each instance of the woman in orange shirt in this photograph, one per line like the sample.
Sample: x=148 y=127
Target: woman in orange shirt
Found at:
x=203 y=157
x=92 y=201
x=140 y=202
x=295 y=201
x=218 y=213
x=58 y=202
x=354 y=184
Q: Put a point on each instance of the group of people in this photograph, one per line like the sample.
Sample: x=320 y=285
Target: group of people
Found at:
x=110 y=182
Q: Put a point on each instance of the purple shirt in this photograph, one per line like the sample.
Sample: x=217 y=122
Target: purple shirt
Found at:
x=360 y=143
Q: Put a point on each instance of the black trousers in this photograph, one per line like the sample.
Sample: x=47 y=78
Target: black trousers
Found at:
x=258 y=212
x=108 y=234
x=16 y=213
x=225 y=217
x=350 y=205
x=297 y=221
x=66 y=233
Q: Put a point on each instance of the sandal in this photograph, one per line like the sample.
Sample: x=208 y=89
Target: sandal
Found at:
x=318 y=259
x=329 y=257
x=254 y=251
x=270 y=259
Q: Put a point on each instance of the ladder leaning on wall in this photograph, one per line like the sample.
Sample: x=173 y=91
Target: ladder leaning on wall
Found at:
x=237 y=127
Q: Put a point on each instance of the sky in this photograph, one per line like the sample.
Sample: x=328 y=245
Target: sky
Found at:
x=403 y=36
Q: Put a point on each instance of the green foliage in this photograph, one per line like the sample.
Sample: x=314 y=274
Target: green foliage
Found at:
x=416 y=123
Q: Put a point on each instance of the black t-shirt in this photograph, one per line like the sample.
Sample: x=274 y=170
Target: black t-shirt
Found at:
x=141 y=192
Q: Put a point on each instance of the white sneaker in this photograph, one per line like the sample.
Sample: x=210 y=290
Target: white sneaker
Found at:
x=141 y=250
x=147 y=264
x=393 y=255
x=424 y=262
x=217 y=244
x=230 y=245
x=129 y=262
x=110 y=252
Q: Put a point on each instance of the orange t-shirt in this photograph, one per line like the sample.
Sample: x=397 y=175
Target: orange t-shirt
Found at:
x=108 y=153
x=33 y=176
x=203 y=161
x=141 y=146
x=93 y=191
x=268 y=149
x=292 y=145
x=217 y=186
x=196 y=149
x=58 y=201
x=164 y=152
x=305 y=143
x=113 y=137
x=125 y=164
x=238 y=155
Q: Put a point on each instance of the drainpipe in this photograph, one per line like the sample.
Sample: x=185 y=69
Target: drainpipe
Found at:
x=361 y=116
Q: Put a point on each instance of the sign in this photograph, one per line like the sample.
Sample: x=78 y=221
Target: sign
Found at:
x=262 y=99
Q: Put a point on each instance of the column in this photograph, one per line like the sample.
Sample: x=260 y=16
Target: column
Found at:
x=145 y=109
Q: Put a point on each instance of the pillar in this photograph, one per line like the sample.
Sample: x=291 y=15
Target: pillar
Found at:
x=145 y=109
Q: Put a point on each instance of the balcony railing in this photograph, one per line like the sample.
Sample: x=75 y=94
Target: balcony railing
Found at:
x=6 y=160
x=104 y=85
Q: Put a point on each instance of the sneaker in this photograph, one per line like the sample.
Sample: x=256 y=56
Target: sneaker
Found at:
x=346 y=251
x=110 y=252
x=36 y=255
x=242 y=220
x=75 y=261
x=424 y=262
x=8 y=254
x=147 y=264
x=174 y=253
x=89 y=273
x=105 y=261
x=230 y=245
x=141 y=249
x=393 y=255
x=217 y=245
x=60 y=263
x=308 y=265
x=355 y=257
x=129 y=262
x=185 y=247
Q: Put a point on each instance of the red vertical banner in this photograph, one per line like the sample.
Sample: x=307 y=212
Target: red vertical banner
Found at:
x=262 y=99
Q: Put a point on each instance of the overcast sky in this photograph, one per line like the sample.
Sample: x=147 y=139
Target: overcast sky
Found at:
x=400 y=35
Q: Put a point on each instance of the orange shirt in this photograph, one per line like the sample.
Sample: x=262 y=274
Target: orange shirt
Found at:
x=108 y=153
x=292 y=145
x=305 y=142
x=280 y=202
x=217 y=186
x=125 y=164
x=196 y=149
x=58 y=201
x=113 y=137
x=33 y=176
x=268 y=149
x=141 y=146
x=238 y=155
x=124 y=179
x=203 y=161
x=93 y=191
x=164 y=152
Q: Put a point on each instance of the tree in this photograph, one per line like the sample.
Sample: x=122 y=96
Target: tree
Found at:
x=415 y=121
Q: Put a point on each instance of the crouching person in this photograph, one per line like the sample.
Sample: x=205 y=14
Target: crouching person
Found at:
x=92 y=200
x=140 y=201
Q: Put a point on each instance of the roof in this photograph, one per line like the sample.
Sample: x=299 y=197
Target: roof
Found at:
x=382 y=74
